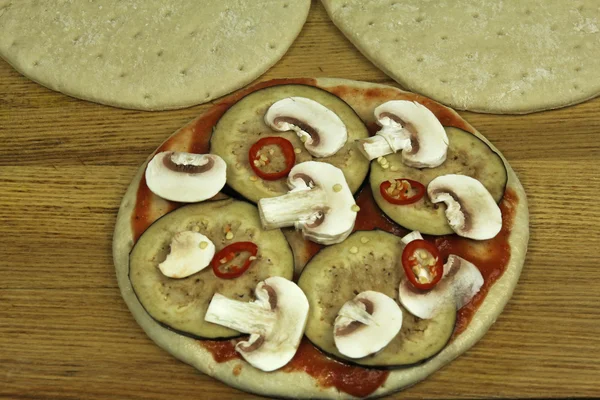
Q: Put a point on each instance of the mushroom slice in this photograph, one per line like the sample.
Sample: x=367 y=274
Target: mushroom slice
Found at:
x=410 y=127
x=470 y=209
x=321 y=130
x=320 y=204
x=186 y=177
x=414 y=235
x=461 y=282
x=366 y=324
x=275 y=322
x=190 y=252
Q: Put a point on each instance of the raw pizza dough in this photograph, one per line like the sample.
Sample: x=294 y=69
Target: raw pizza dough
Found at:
x=298 y=384
x=150 y=54
x=507 y=56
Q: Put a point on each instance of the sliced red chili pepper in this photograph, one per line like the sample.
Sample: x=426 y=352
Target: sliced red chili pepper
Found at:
x=405 y=191
x=422 y=264
x=287 y=149
x=227 y=254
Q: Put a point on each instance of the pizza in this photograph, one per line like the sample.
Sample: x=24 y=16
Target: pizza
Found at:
x=321 y=238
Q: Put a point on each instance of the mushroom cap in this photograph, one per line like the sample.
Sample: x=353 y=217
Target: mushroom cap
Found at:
x=186 y=177
x=324 y=131
x=461 y=282
x=356 y=339
x=187 y=255
x=274 y=348
x=470 y=209
x=336 y=220
x=428 y=140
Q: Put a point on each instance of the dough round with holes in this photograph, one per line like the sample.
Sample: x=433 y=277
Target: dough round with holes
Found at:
x=516 y=56
x=147 y=55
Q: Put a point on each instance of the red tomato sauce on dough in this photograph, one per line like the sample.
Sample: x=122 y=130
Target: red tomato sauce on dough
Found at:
x=491 y=256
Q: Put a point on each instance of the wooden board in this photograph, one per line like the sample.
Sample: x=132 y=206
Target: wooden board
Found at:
x=65 y=164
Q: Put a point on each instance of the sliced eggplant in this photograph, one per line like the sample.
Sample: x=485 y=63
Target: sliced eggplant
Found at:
x=368 y=261
x=467 y=155
x=243 y=124
x=181 y=304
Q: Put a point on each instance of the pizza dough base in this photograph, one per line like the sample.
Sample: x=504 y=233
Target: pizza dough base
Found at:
x=513 y=56
x=300 y=384
x=151 y=54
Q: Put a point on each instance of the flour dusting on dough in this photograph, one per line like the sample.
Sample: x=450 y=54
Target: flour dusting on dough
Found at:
x=507 y=56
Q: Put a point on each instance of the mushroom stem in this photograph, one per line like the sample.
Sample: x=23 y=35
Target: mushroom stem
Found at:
x=356 y=311
x=240 y=315
x=299 y=206
x=390 y=139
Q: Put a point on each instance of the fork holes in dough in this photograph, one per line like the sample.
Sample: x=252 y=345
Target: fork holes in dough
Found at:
x=444 y=37
x=241 y=68
x=147 y=96
x=160 y=53
x=500 y=33
x=207 y=95
x=122 y=75
x=272 y=46
x=419 y=19
x=577 y=69
x=183 y=72
x=286 y=5
x=475 y=15
x=576 y=86
x=528 y=12
x=371 y=23
x=137 y=35
x=420 y=59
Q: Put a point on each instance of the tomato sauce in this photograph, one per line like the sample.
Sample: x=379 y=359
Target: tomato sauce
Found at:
x=491 y=256
x=350 y=379
x=354 y=380
x=221 y=350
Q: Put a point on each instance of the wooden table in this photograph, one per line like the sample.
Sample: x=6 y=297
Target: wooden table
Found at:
x=66 y=333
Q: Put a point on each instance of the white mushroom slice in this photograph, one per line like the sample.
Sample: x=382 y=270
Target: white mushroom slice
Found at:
x=321 y=130
x=319 y=203
x=470 y=209
x=461 y=282
x=190 y=252
x=275 y=322
x=366 y=324
x=410 y=127
x=186 y=177
x=414 y=235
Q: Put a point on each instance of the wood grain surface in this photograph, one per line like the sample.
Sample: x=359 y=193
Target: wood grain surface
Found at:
x=65 y=332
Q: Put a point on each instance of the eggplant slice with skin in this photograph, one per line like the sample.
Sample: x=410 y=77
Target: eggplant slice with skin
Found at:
x=244 y=124
x=180 y=304
x=368 y=261
x=467 y=155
